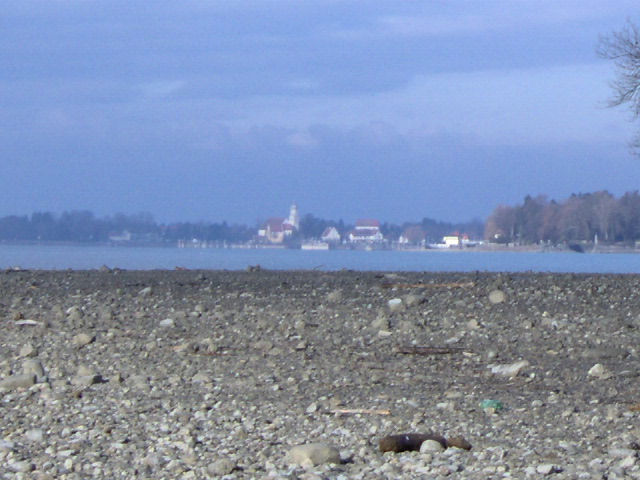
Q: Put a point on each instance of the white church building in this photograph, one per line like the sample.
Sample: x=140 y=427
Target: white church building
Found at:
x=276 y=229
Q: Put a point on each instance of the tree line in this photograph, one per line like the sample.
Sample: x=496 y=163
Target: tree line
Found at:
x=582 y=217
x=84 y=226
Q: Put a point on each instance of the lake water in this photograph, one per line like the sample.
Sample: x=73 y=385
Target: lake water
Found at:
x=92 y=257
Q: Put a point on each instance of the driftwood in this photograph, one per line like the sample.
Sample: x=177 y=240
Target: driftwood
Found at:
x=429 y=350
x=366 y=411
x=429 y=285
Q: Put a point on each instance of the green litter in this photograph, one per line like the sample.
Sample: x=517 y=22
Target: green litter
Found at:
x=497 y=405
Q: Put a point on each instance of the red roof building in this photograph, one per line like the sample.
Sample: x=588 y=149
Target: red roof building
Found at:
x=367 y=223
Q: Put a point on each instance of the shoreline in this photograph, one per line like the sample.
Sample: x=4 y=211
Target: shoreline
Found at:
x=582 y=247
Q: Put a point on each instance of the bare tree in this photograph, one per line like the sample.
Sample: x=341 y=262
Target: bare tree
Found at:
x=623 y=48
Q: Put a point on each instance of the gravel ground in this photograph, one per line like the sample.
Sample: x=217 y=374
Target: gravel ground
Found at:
x=214 y=374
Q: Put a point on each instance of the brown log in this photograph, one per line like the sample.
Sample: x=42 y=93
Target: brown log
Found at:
x=429 y=350
x=409 y=442
x=366 y=411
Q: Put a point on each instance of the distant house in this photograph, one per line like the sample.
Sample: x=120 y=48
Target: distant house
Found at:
x=451 y=241
x=367 y=224
x=413 y=235
x=366 y=231
x=330 y=235
x=124 y=236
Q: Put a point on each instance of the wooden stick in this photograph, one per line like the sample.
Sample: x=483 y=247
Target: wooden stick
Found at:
x=28 y=322
x=429 y=350
x=429 y=285
x=363 y=411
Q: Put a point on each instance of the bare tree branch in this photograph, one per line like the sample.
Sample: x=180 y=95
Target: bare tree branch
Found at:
x=623 y=48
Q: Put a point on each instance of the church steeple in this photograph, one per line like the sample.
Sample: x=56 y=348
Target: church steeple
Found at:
x=294 y=216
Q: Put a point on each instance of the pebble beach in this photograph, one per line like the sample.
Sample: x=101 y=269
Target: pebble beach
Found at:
x=314 y=375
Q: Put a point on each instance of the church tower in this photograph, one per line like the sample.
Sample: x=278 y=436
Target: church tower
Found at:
x=294 y=217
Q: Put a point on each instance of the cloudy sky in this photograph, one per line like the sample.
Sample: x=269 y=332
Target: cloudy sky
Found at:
x=232 y=110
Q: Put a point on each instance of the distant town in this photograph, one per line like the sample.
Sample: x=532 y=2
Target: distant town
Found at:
x=583 y=221
x=367 y=233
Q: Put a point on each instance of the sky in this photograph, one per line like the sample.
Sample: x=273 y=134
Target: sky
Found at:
x=233 y=110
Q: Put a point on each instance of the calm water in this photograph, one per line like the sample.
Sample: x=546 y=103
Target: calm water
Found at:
x=64 y=257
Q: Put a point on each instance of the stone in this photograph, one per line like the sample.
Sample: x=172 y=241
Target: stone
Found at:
x=23 y=466
x=18 y=381
x=627 y=462
x=380 y=323
x=86 y=380
x=201 y=377
x=75 y=312
x=34 y=366
x=221 y=467
x=28 y=351
x=35 y=435
x=86 y=376
x=145 y=292
x=314 y=454
x=431 y=446
x=621 y=452
x=545 y=469
x=335 y=296
x=82 y=339
x=599 y=371
x=497 y=296
x=411 y=300
x=7 y=446
x=84 y=371
x=168 y=323
x=509 y=370
x=395 y=305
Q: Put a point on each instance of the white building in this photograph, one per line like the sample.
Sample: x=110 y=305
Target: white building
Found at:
x=366 y=231
x=330 y=235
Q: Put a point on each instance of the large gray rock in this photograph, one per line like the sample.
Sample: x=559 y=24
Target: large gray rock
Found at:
x=497 y=296
x=335 y=296
x=395 y=305
x=312 y=454
x=145 y=292
x=18 y=381
x=221 y=467
x=86 y=376
x=82 y=339
x=34 y=366
x=168 y=323
x=412 y=300
x=28 y=351
x=510 y=370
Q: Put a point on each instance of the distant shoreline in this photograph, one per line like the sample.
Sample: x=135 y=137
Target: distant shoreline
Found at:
x=492 y=247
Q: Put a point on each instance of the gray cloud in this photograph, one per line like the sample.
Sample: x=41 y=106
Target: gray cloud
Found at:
x=196 y=109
